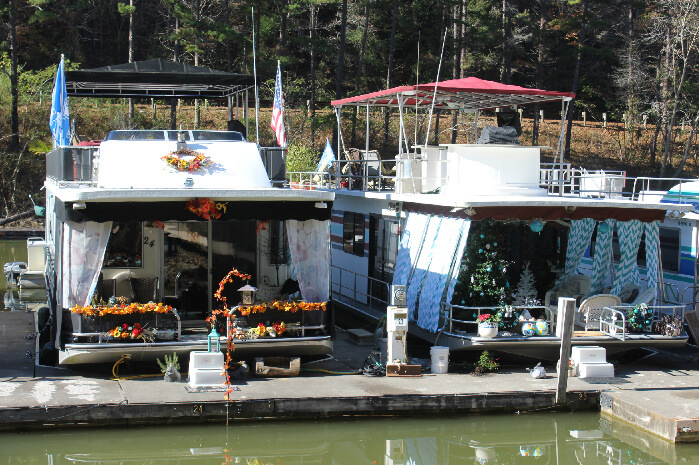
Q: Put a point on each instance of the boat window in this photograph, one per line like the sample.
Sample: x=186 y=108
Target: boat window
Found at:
x=172 y=135
x=217 y=135
x=353 y=233
x=670 y=249
x=125 y=247
x=136 y=135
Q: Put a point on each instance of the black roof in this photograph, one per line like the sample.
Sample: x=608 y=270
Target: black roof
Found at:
x=157 y=79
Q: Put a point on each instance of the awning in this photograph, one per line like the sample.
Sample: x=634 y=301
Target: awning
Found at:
x=156 y=79
x=467 y=94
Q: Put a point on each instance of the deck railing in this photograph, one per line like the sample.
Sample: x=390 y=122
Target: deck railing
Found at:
x=613 y=320
x=450 y=320
x=359 y=288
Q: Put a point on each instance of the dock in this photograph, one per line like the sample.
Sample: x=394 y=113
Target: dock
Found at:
x=332 y=388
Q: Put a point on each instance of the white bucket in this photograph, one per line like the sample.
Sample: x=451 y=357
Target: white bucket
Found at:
x=440 y=359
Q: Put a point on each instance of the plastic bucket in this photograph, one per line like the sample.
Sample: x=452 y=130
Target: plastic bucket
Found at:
x=440 y=359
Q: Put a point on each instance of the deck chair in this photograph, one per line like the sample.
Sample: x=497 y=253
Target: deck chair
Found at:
x=590 y=310
x=144 y=290
x=577 y=286
x=646 y=297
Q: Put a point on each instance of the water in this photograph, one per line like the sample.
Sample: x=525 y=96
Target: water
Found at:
x=541 y=438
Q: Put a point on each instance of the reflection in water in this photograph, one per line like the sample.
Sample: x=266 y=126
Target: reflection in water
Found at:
x=580 y=438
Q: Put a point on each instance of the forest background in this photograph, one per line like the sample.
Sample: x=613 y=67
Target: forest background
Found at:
x=631 y=63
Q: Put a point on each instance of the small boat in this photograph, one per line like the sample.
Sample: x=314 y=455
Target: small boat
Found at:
x=29 y=274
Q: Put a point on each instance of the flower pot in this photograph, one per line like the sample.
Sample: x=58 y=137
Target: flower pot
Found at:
x=487 y=329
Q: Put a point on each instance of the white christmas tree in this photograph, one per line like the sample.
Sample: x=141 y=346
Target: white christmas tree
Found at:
x=526 y=292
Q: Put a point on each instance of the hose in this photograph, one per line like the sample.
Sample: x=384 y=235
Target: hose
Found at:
x=115 y=368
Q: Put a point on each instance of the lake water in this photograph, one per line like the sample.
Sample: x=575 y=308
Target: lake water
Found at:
x=533 y=438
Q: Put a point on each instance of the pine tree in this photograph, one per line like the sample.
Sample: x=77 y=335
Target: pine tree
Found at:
x=526 y=289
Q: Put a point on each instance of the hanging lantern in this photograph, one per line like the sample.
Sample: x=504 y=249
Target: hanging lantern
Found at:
x=247 y=294
x=536 y=225
x=213 y=339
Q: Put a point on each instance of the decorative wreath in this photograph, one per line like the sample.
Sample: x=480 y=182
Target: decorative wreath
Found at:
x=206 y=208
x=193 y=162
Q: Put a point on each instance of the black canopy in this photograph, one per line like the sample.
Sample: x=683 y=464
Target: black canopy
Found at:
x=156 y=79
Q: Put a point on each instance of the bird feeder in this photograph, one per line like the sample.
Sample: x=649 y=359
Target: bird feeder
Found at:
x=247 y=293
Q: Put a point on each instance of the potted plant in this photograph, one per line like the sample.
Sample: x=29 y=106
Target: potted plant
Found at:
x=488 y=324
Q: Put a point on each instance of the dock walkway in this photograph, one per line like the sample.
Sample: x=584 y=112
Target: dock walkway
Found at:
x=59 y=396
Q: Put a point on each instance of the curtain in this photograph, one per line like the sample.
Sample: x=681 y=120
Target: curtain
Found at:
x=310 y=256
x=652 y=246
x=439 y=275
x=602 y=261
x=83 y=250
x=420 y=266
x=409 y=247
x=578 y=241
x=629 y=240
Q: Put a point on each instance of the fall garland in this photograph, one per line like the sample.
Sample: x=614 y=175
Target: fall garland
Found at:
x=192 y=164
x=284 y=306
x=206 y=208
x=121 y=309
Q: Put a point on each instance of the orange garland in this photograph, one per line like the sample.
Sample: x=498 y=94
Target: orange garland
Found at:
x=121 y=309
x=284 y=306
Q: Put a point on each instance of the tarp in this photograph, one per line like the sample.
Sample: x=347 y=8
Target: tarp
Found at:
x=155 y=79
x=467 y=94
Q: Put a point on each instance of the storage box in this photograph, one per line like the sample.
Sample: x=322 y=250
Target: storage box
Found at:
x=595 y=370
x=207 y=377
x=203 y=359
x=589 y=355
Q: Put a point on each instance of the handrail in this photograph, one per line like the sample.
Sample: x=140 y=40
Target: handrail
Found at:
x=608 y=323
x=338 y=288
x=448 y=314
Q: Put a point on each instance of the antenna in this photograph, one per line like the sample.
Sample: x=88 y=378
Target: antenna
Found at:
x=417 y=82
x=434 y=95
x=254 y=70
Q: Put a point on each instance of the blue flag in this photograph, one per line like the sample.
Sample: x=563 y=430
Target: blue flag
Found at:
x=327 y=158
x=59 y=122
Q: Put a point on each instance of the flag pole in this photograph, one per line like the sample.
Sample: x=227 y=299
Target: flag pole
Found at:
x=254 y=68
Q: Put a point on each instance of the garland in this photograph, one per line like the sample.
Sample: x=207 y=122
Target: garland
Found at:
x=206 y=208
x=180 y=164
x=284 y=306
x=121 y=309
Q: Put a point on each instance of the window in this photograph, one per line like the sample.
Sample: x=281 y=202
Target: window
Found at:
x=353 y=233
x=125 y=246
x=670 y=249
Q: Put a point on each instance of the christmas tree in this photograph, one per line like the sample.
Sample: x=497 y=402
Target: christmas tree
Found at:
x=526 y=289
x=483 y=280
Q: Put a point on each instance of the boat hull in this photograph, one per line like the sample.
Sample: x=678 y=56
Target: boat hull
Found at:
x=75 y=354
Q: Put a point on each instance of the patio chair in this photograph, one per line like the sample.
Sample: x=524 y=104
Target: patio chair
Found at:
x=144 y=290
x=646 y=297
x=577 y=286
x=590 y=310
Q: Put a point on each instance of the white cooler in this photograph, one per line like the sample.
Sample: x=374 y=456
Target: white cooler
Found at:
x=206 y=369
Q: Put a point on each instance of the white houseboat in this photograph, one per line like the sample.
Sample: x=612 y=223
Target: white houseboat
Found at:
x=408 y=221
x=151 y=234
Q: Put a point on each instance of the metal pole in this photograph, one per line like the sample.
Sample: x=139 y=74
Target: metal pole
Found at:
x=254 y=64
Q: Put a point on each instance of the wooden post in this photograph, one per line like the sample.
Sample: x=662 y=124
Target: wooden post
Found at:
x=541 y=115
x=624 y=118
x=645 y=121
x=604 y=117
x=584 y=115
x=564 y=329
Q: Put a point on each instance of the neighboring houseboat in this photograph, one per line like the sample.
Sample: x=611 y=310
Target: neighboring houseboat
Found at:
x=408 y=221
x=152 y=230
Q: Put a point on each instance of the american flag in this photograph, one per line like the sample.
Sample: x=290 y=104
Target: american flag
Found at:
x=278 y=110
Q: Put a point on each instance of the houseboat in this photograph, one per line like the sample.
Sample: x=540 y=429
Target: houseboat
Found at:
x=151 y=234
x=458 y=227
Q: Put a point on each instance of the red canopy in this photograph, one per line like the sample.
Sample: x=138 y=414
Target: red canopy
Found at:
x=467 y=94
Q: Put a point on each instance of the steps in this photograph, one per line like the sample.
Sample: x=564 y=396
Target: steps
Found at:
x=206 y=369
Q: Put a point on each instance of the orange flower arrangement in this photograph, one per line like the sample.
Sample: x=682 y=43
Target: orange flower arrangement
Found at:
x=284 y=306
x=206 y=208
x=197 y=161
x=136 y=331
x=121 y=309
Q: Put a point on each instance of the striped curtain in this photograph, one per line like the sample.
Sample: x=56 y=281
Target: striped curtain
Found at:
x=578 y=241
x=421 y=265
x=602 y=261
x=310 y=255
x=652 y=246
x=409 y=247
x=83 y=250
x=629 y=239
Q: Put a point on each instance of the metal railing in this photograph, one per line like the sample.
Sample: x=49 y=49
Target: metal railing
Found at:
x=346 y=284
x=448 y=314
x=70 y=164
x=613 y=320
